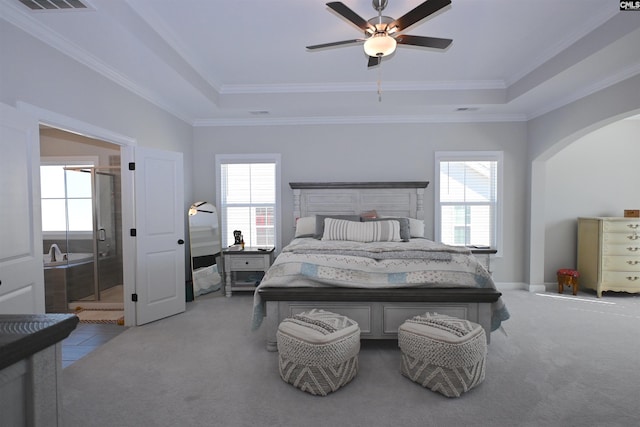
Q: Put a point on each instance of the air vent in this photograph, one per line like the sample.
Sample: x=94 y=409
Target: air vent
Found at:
x=45 y=5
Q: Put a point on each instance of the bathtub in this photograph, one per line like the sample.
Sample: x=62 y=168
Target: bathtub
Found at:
x=67 y=259
x=67 y=280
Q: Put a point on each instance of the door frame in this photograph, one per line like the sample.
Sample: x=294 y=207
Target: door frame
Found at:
x=127 y=146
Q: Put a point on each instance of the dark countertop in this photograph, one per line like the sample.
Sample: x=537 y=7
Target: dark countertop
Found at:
x=22 y=335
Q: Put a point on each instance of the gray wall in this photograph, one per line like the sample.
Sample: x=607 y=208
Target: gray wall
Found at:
x=393 y=152
x=549 y=134
x=598 y=175
x=34 y=73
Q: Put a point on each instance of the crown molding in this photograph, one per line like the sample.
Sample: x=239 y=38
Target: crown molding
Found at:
x=51 y=38
x=565 y=43
x=360 y=87
x=621 y=76
x=300 y=121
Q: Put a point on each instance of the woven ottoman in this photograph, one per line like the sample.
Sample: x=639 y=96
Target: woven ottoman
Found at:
x=442 y=353
x=318 y=351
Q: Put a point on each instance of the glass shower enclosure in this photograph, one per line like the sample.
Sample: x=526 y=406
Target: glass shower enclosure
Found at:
x=83 y=262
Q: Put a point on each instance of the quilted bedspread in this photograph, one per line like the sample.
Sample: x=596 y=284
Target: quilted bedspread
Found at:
x=308 y=262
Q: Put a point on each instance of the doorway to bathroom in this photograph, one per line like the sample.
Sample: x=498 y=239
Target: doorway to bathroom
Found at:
x=82 y=226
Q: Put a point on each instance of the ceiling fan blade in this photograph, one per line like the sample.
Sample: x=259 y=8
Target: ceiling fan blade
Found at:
x=374 y=60
x=434 y=42
x=350 y=15
x=340 y=43
x=419 y=13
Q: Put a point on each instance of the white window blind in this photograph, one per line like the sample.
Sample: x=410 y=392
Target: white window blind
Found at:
x=248 y=201
x=468 y=199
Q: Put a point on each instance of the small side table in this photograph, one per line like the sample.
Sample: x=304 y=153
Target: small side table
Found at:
x=247 y=259
x=484 y=251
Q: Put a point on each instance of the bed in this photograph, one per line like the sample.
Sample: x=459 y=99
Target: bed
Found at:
x=359 y=250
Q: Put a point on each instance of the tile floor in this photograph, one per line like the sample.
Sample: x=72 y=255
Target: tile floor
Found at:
x=86 y=338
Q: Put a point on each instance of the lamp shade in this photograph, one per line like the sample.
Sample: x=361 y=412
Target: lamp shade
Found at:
x=380 y=44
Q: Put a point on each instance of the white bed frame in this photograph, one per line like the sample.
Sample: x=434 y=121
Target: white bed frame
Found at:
x=379 y=312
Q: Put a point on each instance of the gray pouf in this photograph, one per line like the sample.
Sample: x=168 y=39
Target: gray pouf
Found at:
x=318 y=351
x=442 y=353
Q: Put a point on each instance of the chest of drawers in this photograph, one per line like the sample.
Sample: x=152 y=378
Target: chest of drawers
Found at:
x=609 y=254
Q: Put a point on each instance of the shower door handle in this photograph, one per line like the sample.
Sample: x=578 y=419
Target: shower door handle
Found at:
x=102 y=234
x=181 y=242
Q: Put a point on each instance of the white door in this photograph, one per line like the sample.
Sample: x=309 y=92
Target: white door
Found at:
x=160 y=224
x=21 y=268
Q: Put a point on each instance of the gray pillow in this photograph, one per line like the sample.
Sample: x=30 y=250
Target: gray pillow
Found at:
x=405 y=231
x=320 y=222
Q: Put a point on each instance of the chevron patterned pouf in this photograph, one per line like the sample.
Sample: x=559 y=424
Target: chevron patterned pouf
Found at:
x=318 y=351
x=442 y=353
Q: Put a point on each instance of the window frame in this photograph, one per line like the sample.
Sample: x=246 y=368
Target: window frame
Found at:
x=252 y=158
x=461 y=156
x=68 y=161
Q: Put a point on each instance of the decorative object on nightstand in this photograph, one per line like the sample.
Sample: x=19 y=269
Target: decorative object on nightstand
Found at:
x=245 y=260
x=609 y=254
x=632 y=213
x=568 y=277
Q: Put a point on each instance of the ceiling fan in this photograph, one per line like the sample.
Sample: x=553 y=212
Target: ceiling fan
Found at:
x=382 y=33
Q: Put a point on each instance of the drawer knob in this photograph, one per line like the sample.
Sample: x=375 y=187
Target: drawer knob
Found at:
x=246 y=262
x=634 y=226
x=633 y=249
x=633 y=278
x=633 y=237
x=634 y=262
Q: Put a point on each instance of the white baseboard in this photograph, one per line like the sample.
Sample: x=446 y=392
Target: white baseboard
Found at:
x=507 y=286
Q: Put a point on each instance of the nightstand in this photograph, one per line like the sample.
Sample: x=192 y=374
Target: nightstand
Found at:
x=487 y=252
x=248 y=260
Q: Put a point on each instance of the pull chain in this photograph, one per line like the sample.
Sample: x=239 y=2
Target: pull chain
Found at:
x=379 y=79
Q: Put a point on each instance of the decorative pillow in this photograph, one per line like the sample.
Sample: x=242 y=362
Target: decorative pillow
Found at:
x=370 y=231
x=405 y=233
x=306 y=226
x=416 y=226
x=369 y=214
x=320 y=222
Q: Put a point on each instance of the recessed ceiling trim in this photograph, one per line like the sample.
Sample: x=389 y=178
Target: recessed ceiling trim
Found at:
x=621 y=76
x=566 y=42
x=53 y=39
x=360 y=87
x=371 y=120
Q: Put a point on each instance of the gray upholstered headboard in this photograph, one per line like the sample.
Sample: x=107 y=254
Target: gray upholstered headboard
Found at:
x=405 y=199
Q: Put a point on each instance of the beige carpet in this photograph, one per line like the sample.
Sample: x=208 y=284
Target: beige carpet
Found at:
x=101 y=316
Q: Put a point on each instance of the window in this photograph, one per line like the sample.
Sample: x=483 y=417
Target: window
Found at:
x=248 y=198
x=468 y=198
x=66 y=197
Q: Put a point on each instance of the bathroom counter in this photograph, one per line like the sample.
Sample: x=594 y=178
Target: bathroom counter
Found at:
x=31 y=367
x=22 y=335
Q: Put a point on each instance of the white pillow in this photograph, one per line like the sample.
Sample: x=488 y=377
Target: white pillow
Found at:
x=416 y=227
x=305 y=226
x=372 y=231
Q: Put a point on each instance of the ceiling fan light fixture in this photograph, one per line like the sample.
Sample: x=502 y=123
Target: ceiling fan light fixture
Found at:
x=380 y=44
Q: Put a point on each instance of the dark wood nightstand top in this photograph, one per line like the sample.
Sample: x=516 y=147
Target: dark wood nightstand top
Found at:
x=248 y=250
